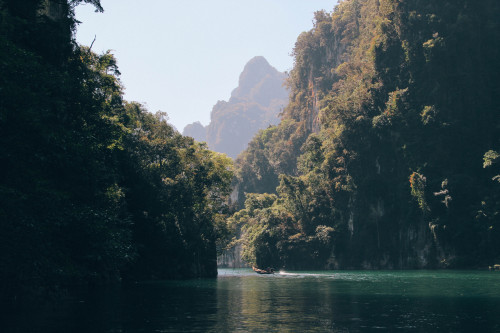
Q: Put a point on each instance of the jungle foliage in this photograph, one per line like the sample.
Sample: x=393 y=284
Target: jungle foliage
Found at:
x=94 y=189
x=387 y=154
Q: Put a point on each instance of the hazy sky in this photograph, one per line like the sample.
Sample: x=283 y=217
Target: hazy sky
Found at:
x=182 y=56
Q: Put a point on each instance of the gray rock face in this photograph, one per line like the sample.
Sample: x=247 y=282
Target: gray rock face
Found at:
x=196 y=130
x=255 y=104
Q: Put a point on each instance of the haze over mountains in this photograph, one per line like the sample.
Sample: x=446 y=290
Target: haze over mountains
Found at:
x=254 y=104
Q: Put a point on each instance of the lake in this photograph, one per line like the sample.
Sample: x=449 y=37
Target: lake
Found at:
x=240 y=300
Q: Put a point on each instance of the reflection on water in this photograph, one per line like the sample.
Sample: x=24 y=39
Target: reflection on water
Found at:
x=240 y=300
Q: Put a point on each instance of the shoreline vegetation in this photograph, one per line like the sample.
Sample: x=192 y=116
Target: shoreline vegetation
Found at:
x=387 y=155
x=95 y=189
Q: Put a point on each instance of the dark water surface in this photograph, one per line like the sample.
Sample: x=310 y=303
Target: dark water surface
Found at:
x=240 y=300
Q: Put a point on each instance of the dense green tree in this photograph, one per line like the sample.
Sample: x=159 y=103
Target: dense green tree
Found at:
x=177 y=188
x=393 y=105
x=94 y=189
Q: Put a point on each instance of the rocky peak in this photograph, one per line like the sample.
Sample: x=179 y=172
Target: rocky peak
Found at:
x=256 y=74
x=254 y=105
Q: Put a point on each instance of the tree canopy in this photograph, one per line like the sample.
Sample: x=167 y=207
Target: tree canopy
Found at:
x=94 y=189
x=393 y=106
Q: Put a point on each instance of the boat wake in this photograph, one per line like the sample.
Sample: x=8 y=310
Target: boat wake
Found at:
x=298 y=274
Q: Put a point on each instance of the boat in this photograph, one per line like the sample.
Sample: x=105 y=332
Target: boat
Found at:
x=495 y=268
x=263 y=271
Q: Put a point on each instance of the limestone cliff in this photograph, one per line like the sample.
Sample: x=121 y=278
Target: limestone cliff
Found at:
x=255 y=104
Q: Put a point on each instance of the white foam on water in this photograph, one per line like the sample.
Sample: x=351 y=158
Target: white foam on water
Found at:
x=304 y=274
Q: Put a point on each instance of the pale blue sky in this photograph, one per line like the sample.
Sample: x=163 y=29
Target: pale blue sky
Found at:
x=182 y=56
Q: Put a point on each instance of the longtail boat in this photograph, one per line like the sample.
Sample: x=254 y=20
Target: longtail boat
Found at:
x=263 y=271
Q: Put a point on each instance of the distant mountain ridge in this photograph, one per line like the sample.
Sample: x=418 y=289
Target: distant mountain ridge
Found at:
x=255 y=104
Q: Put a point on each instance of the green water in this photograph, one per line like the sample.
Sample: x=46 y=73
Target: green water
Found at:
x=240 y=300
